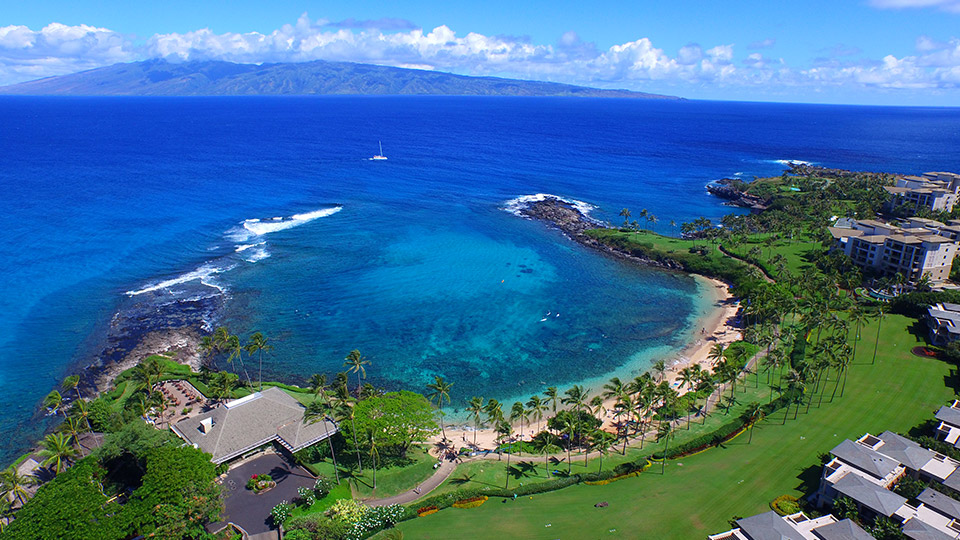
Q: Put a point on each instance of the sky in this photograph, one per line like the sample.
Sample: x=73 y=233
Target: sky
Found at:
x=874 y=52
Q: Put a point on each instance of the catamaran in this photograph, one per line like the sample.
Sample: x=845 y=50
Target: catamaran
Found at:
x=379 y=156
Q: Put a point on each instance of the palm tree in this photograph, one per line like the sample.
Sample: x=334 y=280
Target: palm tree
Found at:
x=504 y=429
x=16 y=484
x=374 y=454
x=236 y=349
x=475 y=408
x=81 y=411
x=58 y=451
x=660 y=367
x=755 y=414
x=354 y=362
x=859 y=319
x=553 y=396
x=315 y=411
x=346 y=412
x=74 y=428
x=536 y=406
x=222 y=385
x=716 y=353
x=317 y=383
x=440 y=391
x=544 y=443
x=54 y=401
x=576 y=397
x=879 y=316
x=258 y=344
x=517 y=412
x=72 y=383
x=570 y=426
x=664 y=432
x=625 y=214
x=601 y=440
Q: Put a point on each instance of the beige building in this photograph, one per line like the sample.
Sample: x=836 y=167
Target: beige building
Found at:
x=915 y=248
x=936 y=191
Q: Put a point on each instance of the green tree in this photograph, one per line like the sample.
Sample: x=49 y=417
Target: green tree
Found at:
x=258 y=344
x=399 y=419
x=475 y=408
x=518 y=413
x=235 y=349
x=317 y=411
x=223 y=384
x=317 y=383
x=879 y=316
x=601 y=441
x=57 y=450
x=537 y=406
x=664 y=432
x=54 y=402
x=15 y=484
x=440 y=391
x=355 y=363
x=72 y=382
x=625 y=214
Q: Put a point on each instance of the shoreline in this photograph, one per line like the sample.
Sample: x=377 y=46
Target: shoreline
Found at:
x=718 y=325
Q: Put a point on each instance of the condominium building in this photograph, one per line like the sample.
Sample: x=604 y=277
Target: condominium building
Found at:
x=936 y=191
x=914 y=248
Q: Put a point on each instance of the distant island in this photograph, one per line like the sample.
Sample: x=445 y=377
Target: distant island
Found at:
x=216 y=78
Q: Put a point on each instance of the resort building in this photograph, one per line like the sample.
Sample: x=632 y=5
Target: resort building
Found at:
x=772 y=526
x=246 y=425
x=936 y=191
x=943 y=320
x=948 y=430
x=916 y=248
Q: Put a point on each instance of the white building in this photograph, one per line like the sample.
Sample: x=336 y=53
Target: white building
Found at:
x=936 y=191
x=917 y=247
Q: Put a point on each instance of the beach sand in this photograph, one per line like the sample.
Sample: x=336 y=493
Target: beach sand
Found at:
x=718 y=326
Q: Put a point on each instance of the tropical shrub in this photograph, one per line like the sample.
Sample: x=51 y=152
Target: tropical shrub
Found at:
x=281 y=512
x=322 y=486
x=785 y=505
x=306 y=496
x=425 y=510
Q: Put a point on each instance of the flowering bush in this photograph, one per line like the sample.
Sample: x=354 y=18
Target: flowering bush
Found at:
x=281 y=512
x=322 y=486
x=364 y=520
x=347 y=510
x=472 y=502
x=427 y=510
x=259 y=482
x=785 y=505
x=307 y=498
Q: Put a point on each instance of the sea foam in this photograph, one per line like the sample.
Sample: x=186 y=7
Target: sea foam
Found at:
x=514 y=206
x=204 y=274
x=259 y=227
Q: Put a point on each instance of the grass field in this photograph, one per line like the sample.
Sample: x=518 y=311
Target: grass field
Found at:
x=394 y=480
x=699 y=494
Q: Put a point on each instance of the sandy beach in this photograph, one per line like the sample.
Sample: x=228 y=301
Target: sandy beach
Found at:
x=718 y=326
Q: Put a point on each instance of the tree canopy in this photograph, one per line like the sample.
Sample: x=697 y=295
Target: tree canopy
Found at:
x=396 y=420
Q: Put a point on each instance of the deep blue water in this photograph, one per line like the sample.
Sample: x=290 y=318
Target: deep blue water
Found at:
x=421 y=268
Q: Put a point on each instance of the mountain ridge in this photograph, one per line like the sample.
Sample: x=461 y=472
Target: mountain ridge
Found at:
x=319 y=77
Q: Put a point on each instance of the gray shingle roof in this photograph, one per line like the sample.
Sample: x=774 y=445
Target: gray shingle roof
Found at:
x=904 y=450
x=919 y=530
x=865 y=459
x=953 y=481
x=251 y=422
x=874 y=497
x=768 y=526
x=949 y=415
x=842 y=530
x=941 y=503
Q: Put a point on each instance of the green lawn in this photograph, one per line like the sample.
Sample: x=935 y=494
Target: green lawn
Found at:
x=700 y=493
x=394 y=480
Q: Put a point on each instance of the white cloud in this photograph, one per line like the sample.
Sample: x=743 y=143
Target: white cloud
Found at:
x=763 y=44
x=58 y=49
x=944 y=5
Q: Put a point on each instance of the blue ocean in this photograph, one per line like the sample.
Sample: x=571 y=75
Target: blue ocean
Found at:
x=116 y=207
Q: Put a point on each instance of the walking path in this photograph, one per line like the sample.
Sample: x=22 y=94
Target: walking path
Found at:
x=443 y=472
